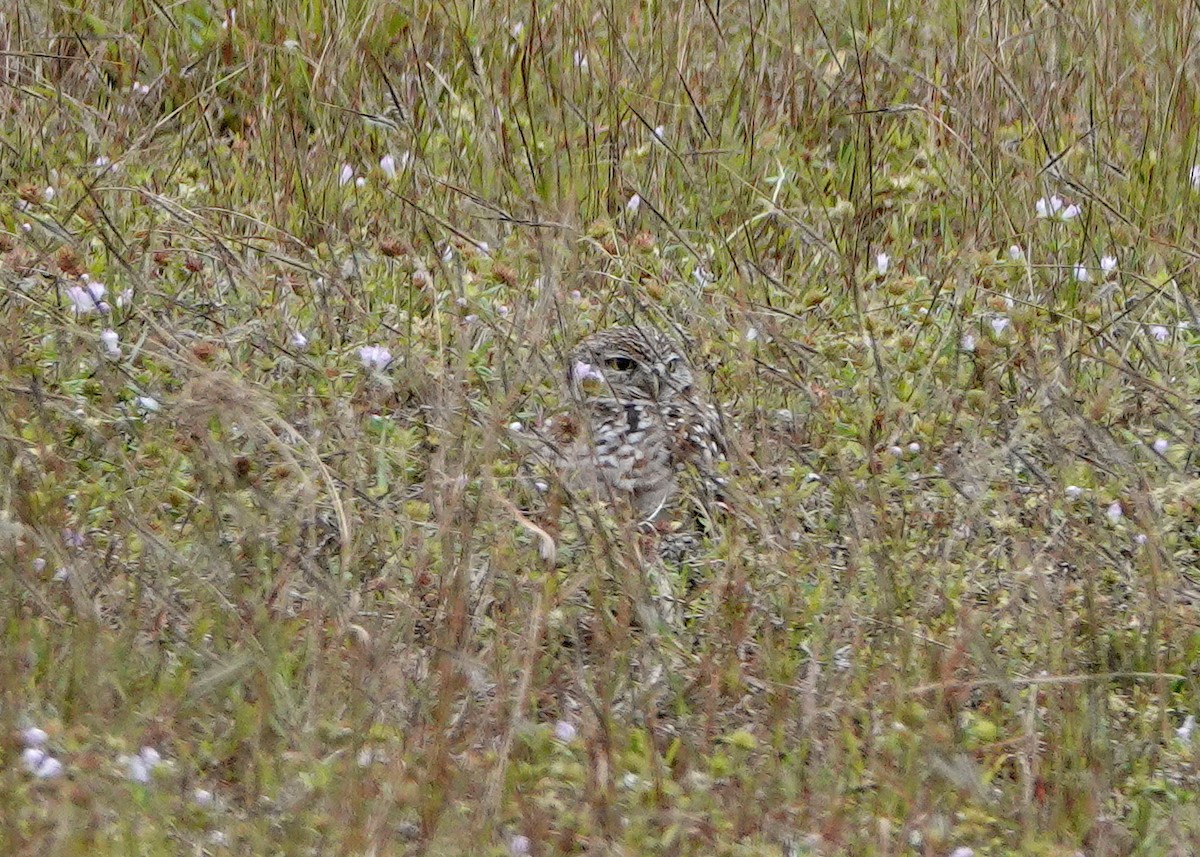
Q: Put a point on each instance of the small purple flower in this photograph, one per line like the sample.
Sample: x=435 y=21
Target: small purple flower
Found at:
x=564 y=730
x=111 y=340
x=40 y=763
x=34 y=737
x=72 y=539
x=140 y=767
x=87 y=298
x=585 y=372
x=375 y=357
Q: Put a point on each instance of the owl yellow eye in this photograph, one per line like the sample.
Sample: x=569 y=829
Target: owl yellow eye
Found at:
x=619 y=364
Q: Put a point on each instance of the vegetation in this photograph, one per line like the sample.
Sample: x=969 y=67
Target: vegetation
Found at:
x=265 y=592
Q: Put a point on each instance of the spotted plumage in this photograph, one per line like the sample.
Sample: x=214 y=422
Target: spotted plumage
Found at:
x=642 y=419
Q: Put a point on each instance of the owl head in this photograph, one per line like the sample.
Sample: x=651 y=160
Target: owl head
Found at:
x=628 y=363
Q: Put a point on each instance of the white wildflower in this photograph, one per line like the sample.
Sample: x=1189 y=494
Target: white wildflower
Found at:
x=1081 y=273
x=963 y=851
x=375 y=357
x=659 y=131
x=896 y=450
x=1160 y=333
x=31 y=757
x=1015 y=253
x=1073 y=492
x=87 y=298
x=914 y=447
x=564 y=730
x=882 y=261
x=580 y=59
x=999 y=324
x=1196 y=177
x=1108 y=265
x=203 y=797
x=1055 y=208
x=40 y=763
x=968 y=342
x=141 y=766
x=635 y=202
x=1161 y=446
x=125 y=298
x=48 y=769
x=361 y=181
x=345 y=175
x=299 y=340
x=48 y=194
x=34 y=737
x=584 y=372
x=519 y=845
x=388 y=164
x=111 y=340
x=1115 y=512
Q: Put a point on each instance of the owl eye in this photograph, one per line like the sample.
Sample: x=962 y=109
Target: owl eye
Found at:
x=619 y=364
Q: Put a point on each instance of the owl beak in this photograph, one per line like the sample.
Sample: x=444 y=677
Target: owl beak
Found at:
x=661 y=381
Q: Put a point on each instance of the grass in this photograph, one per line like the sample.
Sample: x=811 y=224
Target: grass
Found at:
x=957 y=606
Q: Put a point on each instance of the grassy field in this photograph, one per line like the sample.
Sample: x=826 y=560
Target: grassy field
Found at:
x=935 y=260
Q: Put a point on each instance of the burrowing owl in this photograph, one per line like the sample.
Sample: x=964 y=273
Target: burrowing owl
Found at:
x=644 y=419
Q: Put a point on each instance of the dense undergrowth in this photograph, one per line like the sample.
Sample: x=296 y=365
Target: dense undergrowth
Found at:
x=935 y=260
